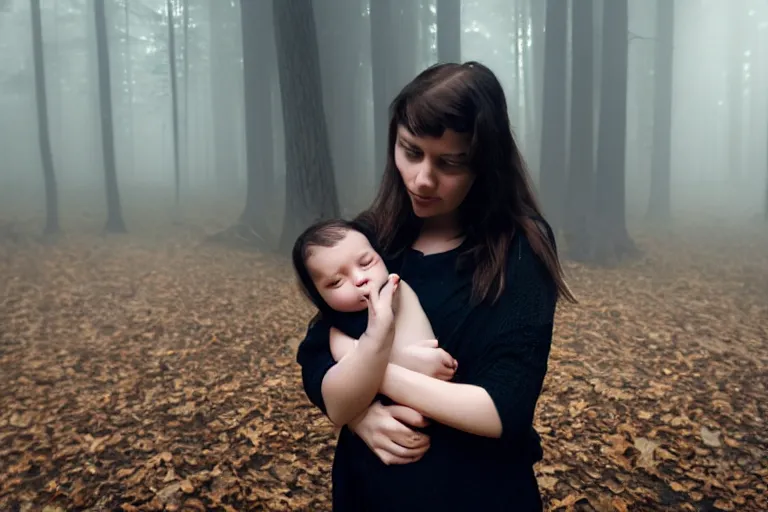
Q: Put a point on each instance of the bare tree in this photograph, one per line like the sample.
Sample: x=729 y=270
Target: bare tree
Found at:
x=554 y=128
x=581 y=175
x=449 y=30
x=659 y=201
x=174 y=96
x=115 y=223
x=611 y=240
x=310 y=188
x=44 y=137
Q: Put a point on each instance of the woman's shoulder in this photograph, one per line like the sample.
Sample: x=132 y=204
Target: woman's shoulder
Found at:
x=524 y=250
x=527 y=277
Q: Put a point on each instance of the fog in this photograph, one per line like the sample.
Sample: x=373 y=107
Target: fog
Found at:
x=158 y=159
x=719 y=113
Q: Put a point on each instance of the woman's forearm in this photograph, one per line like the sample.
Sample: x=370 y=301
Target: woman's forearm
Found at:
x=462 y=406
x=350 y=385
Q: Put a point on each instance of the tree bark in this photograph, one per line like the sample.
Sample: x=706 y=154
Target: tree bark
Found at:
x=115 y=223
x=611 y=240
x=258 y=56
x=341 y=61
x=310 y=189
x=174 y=98
x=659 y=207
x=736 y=88
x=579 y=198
x=223 y=65
x=554 y=129
x=449 y=30
x=43 y=131
x=394 y=36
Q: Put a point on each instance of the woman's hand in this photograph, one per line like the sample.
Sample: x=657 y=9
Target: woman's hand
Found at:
x=385 y=429
x=426 y=358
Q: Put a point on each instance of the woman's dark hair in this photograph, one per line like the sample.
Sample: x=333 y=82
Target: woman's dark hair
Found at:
x=325 y=233
x=467 y=98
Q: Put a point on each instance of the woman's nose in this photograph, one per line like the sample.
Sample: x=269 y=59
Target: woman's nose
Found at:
x=425 y=179
x=361 y=280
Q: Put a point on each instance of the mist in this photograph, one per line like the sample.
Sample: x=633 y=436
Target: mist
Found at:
x=158 y=159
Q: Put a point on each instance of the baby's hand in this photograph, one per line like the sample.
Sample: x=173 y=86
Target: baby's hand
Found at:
x=425 y=357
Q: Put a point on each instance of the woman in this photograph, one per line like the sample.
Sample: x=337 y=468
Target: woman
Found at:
x=456 y=218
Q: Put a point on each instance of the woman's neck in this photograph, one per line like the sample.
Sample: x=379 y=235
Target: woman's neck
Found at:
x=439 y=234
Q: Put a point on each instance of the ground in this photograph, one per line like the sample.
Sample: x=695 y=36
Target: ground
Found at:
x=151 y=372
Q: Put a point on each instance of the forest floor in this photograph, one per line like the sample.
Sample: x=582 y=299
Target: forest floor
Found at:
x=155 y=372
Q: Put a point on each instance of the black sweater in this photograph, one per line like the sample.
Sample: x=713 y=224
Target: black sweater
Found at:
x=502 y=347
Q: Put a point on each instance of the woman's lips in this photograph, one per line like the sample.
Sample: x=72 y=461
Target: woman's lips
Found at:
x=423 y=200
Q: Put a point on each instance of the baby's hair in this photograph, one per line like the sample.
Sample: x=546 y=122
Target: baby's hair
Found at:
x=324 y=233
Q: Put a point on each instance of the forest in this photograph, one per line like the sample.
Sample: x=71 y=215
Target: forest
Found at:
x=158 y=159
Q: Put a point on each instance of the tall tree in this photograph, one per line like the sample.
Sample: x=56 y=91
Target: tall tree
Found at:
x=736 y=86
x=449 y=30
x=310 y=189
x=659 y=201
x=258 y=66
x=174 y=97
x=223 y=70
x=554 y=128
x=394 y=35
x=341 y=60
x=611 y=239
x=580 y=183
x=115 y=223
x=44 y=137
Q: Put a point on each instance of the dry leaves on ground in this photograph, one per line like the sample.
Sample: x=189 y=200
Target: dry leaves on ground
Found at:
x=138 y=376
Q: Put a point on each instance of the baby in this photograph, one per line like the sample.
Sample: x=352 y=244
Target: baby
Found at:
x=337 y=269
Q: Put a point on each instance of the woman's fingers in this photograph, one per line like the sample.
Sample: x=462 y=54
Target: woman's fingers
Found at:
x=389 y=459
x=406 y=415
x=402 y=451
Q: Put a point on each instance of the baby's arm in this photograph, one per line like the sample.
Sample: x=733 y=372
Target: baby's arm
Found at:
x=341 y=344
x=415 y=346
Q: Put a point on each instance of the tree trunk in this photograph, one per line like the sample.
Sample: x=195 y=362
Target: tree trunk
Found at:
x=174 y=98
x=310 y=189
x=736 y=87
x=659 y=208
x=554 y=129
x=581 y=177
x=341 y=61
x=449 y=30
x=223 y=71
x=185 y=59
x=258 y=63
x=115 y=223
x=610 y=237
x=538 y=16
x=394 y=36
x=44 y=138
x=382 y=29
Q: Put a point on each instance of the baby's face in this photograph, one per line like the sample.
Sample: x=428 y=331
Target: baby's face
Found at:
x=346 y=273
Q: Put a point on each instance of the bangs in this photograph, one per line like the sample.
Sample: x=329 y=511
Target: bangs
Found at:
x=429 y=113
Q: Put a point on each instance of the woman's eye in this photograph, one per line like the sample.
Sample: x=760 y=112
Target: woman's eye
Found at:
x=454 y=164
x=367 y=262
x=334 y=284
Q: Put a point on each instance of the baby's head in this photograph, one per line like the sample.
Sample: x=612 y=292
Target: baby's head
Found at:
x=337 y=266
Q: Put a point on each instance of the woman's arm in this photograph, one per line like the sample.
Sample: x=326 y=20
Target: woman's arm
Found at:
x=499 y=395
x=462 y=406
x=498 y=402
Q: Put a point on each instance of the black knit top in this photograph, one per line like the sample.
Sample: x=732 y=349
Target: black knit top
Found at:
x=502 y=347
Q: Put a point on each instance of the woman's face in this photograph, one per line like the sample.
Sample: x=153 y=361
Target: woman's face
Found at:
x=435 y=171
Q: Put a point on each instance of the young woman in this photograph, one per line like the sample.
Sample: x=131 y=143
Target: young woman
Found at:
x=456 y=218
